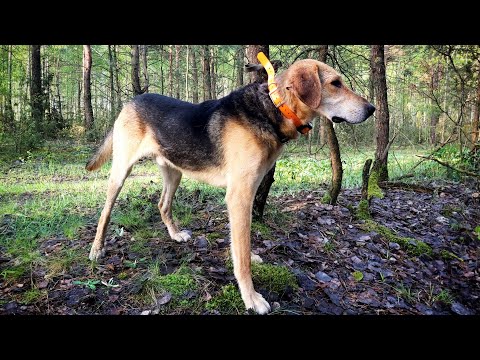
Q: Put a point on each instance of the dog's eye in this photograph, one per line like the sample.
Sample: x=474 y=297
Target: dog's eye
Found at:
x=336 y=83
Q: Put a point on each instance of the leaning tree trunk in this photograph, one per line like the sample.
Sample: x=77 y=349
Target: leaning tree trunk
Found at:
x=382 y=116
x=264 y=187
x=240 y=66
x=331 y=137
x=36 y=97
x=434 y=113
x=87 y=94
x=145 y=69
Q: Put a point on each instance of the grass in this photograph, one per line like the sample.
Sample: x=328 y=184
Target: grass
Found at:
x=47 y=194
x=228 y=301
x=180 y=284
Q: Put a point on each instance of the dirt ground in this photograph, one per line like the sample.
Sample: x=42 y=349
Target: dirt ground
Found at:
x=341 y=265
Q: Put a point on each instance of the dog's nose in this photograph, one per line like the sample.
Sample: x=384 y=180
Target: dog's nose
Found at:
x=370 y=110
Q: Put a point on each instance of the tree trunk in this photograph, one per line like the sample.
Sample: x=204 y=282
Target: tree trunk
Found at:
x=187 y=63
x=476 y=113
x=195 y=76
x=382 y=116
x=170 y=71
x=207 y=80
x=252 y=51
x=112 y=84
x=9 y=116
x=137 y=88
x=434 y=113
x=117 y=80
x=213 y=74
x=264 y=187
x=240 y=66
x=146 y=78
x=87 y=94
x=177 y=71
x=36 y=96
x=331 y=138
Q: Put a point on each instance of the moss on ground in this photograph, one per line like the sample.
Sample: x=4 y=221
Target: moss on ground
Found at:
x=412 y=246
x=262 y=229
x=227 y=301
x=273 y=278
x=363 y=212
x=181 y=285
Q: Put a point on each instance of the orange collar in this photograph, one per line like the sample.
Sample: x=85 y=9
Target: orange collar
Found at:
x=276 y=98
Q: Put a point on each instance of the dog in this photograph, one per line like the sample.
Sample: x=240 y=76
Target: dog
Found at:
x=231 y=142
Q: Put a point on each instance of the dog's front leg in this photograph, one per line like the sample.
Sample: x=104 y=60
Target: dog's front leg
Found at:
x=239 y=201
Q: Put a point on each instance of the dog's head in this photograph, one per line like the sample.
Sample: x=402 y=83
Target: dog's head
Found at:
x=311 y=85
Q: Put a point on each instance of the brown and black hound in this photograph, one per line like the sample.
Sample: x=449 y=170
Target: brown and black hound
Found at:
x=231 y=143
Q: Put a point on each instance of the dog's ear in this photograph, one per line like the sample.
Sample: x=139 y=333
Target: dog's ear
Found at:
x=305 y=82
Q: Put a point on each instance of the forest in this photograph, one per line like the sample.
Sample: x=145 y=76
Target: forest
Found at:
x=382 y=217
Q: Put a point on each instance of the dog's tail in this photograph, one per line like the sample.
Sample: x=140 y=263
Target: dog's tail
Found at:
x=103 y=153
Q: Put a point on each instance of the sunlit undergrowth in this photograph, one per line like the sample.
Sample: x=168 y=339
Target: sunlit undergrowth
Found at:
x=48 y=193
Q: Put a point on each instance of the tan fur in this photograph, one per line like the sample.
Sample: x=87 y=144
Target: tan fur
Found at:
x=247 y=156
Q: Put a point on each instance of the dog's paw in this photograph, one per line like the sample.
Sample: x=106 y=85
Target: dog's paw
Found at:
x=255 y=258
x=96 y=254
x=256 y=302
x=182 y=236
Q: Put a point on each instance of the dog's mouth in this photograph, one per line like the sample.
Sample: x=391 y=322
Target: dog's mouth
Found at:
x=337 y=119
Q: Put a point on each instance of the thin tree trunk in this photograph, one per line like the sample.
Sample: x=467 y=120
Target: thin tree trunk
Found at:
x=146 y=77
x=195 y=76
x=187 y=63
x=434 y=115
x=476 y=113
x=137 y=88
x=213 y=74
x=87 y=94
x=382 y=125
x=240 y=66
x=162 y=82
x=177 y=71
x=170 y=71
x=36 y=97
x=264 y=187
x=207 y=81
x=9 y=116
x=112 y=84
x=117 y=80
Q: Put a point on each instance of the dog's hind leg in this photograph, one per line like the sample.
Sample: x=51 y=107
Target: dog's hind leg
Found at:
x=120 y=171
x=171 y=180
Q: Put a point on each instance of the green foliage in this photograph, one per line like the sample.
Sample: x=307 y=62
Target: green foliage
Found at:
x=326 y=198
x=477 y=232
x=448 y=255
x=227 y=301
x=89 y=283
x=33 y=295
x=412 y=246
x=357 y=275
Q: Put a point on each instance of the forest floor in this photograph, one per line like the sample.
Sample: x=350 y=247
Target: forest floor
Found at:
x=417 y=254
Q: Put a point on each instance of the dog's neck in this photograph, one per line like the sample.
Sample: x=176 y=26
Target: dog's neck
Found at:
x=304 y=113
